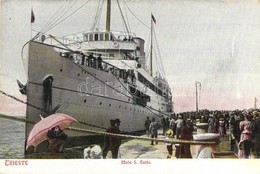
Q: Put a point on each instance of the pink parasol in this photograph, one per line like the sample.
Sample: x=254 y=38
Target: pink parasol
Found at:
x=39 y=131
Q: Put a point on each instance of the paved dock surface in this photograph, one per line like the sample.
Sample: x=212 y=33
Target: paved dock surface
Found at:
x=143 y=149
x=132 y=149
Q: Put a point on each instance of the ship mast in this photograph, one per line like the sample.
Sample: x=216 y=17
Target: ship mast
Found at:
x=108 y=15
x=151 y=49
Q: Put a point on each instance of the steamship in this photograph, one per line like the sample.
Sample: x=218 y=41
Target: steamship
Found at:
x=94 y=76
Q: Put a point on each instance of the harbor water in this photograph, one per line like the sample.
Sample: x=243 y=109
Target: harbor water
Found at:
x=12 y=139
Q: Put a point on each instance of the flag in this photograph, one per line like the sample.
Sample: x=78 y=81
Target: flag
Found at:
x=32 y=16
x=153 y=19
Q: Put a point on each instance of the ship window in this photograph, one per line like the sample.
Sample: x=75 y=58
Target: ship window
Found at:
x=91 y=37
x=60 y=70
x=107 y=36
x=86 y=37
x=96 y=37
x=101 y=37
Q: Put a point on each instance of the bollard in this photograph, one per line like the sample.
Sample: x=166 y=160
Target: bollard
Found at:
x=205 y=151
x=202 y=128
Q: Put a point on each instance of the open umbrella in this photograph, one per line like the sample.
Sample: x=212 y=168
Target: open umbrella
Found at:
x=39 y=131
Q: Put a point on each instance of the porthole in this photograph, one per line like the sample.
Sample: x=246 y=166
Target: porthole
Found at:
x=60 y=70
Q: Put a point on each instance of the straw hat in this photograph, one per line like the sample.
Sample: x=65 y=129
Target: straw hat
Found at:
x=169 y=132
x=255 y=113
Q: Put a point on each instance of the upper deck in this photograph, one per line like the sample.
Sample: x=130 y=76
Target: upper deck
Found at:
x=101 y=40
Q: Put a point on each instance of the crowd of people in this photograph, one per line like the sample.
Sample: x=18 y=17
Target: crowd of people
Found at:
x=243 y=127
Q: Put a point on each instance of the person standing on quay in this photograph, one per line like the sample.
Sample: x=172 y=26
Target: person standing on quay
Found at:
x=173 y=126
x=185 y=134
x=112 y=143
x=106 y=139
x=179 y=124
x=163 y=124
x=146 y=125
x=222 y=127
x=256 y=135
x=211 y=122
x=115 y=142
x=245 y=143
x=153 y=129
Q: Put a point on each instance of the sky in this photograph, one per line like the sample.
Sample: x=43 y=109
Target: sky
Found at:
x=214 y=42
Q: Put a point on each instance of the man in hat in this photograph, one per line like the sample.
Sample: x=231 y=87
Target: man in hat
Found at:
x=179 y=124
x=146 y=125
x=114 y=141
x=256 y=135
x=153 y=129
x=185 y=134
x=106 y=147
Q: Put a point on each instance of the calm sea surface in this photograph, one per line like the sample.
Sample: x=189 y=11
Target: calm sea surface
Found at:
x=12 y=138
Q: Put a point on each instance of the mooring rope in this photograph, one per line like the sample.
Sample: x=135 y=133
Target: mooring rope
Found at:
x=21 y=101
x=173 y=141
x=36 y=107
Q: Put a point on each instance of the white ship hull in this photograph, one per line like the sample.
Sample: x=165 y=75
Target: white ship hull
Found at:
x=91 y=96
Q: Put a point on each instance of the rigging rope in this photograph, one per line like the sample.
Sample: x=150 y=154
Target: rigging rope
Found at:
x=63 y=13
x=98 y=14
x=136 y=16
x=58 y=20
x=123 y=19
x=160 y=58
x=128 y=24
x=70 y=14
x=53 y=16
